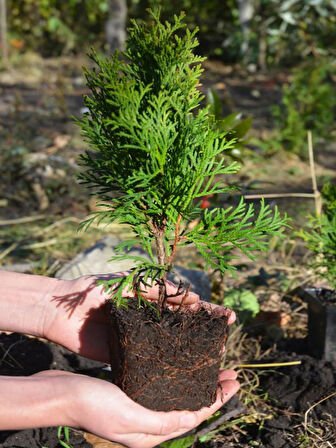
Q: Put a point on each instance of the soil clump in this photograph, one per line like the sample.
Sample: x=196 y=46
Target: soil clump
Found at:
x=169 y=362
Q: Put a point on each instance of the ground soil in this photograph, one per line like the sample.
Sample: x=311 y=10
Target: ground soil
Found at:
x=293 y=390
x=168 y=363
x=40 y=437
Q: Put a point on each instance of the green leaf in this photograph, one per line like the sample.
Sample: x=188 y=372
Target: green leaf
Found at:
x=228 y=122
x=244 y=302
x=215 y=104
x=185 y=442
x=242 y=128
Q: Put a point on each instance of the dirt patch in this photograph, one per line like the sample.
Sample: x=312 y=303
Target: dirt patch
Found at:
x=167 y=363
x=291 y=391
x=296 y=388
x=294 y=391
x=40 y=437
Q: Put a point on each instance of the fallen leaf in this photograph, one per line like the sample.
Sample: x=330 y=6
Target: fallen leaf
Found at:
x=98 y=442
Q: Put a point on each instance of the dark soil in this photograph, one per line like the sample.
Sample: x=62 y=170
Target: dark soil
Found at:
x=40 y=437
x=296 y=388
x=292 y=390
x=169 y=363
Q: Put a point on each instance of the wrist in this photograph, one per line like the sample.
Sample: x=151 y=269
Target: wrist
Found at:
x=40 y=400
x=25 y=302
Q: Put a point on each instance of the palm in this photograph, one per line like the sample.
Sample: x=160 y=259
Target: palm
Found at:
x=103 y=409
x=79 y=322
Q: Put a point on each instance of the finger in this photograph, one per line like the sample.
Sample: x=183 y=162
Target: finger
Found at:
x=228 y=374
x=214 y=309
x=53 y=373
x=152 y=293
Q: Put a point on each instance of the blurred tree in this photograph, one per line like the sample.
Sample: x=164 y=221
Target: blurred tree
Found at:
x=53 y=27
x=115 y=28
x=308 y=103
x=263 y=32
x=287 y=32
x=246 y=10
x=3 y=29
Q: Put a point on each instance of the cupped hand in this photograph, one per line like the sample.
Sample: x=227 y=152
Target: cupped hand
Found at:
x=102 y=408
x=75 y=315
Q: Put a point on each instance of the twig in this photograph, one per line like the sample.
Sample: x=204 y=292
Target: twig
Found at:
x=13 y=197
x=50 y=242
x=223 y=418
x=317 y=195
x=58 y=223
x=305 y=423
x=184 y=297
x=23 y=220
x=274 y=364
x=3 y=31
x=314 y=405
x=9 y=249
x=279 y=195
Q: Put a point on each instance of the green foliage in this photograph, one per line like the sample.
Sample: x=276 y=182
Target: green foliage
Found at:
x=63 y=432
x=184 y=442
x=329 y=196
x=155 y=156
x=308 y=103
x=287 y=32
x=321 y=237
x=244 y=302
x=57 y=26
x=280 y=32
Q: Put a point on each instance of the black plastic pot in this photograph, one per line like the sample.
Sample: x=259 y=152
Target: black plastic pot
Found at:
x=321 y=323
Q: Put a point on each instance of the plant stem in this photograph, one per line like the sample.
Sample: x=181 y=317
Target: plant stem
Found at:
x=176 y=240
x=161 y=253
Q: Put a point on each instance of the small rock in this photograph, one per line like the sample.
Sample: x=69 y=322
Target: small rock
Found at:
x=95 y=260
x=199 y=281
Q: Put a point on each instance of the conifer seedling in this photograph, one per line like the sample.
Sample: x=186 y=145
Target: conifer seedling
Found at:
x=321 y=241
x=321 y=238
x=155 y=153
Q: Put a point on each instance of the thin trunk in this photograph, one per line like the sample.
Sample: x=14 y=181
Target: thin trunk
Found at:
x=161 y=253
x=246 y=10
x=262 y=56
x=115 y=28
x=3 y=28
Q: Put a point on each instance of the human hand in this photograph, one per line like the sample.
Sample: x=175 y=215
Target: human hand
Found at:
x=102 y=408
x=75 y=315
